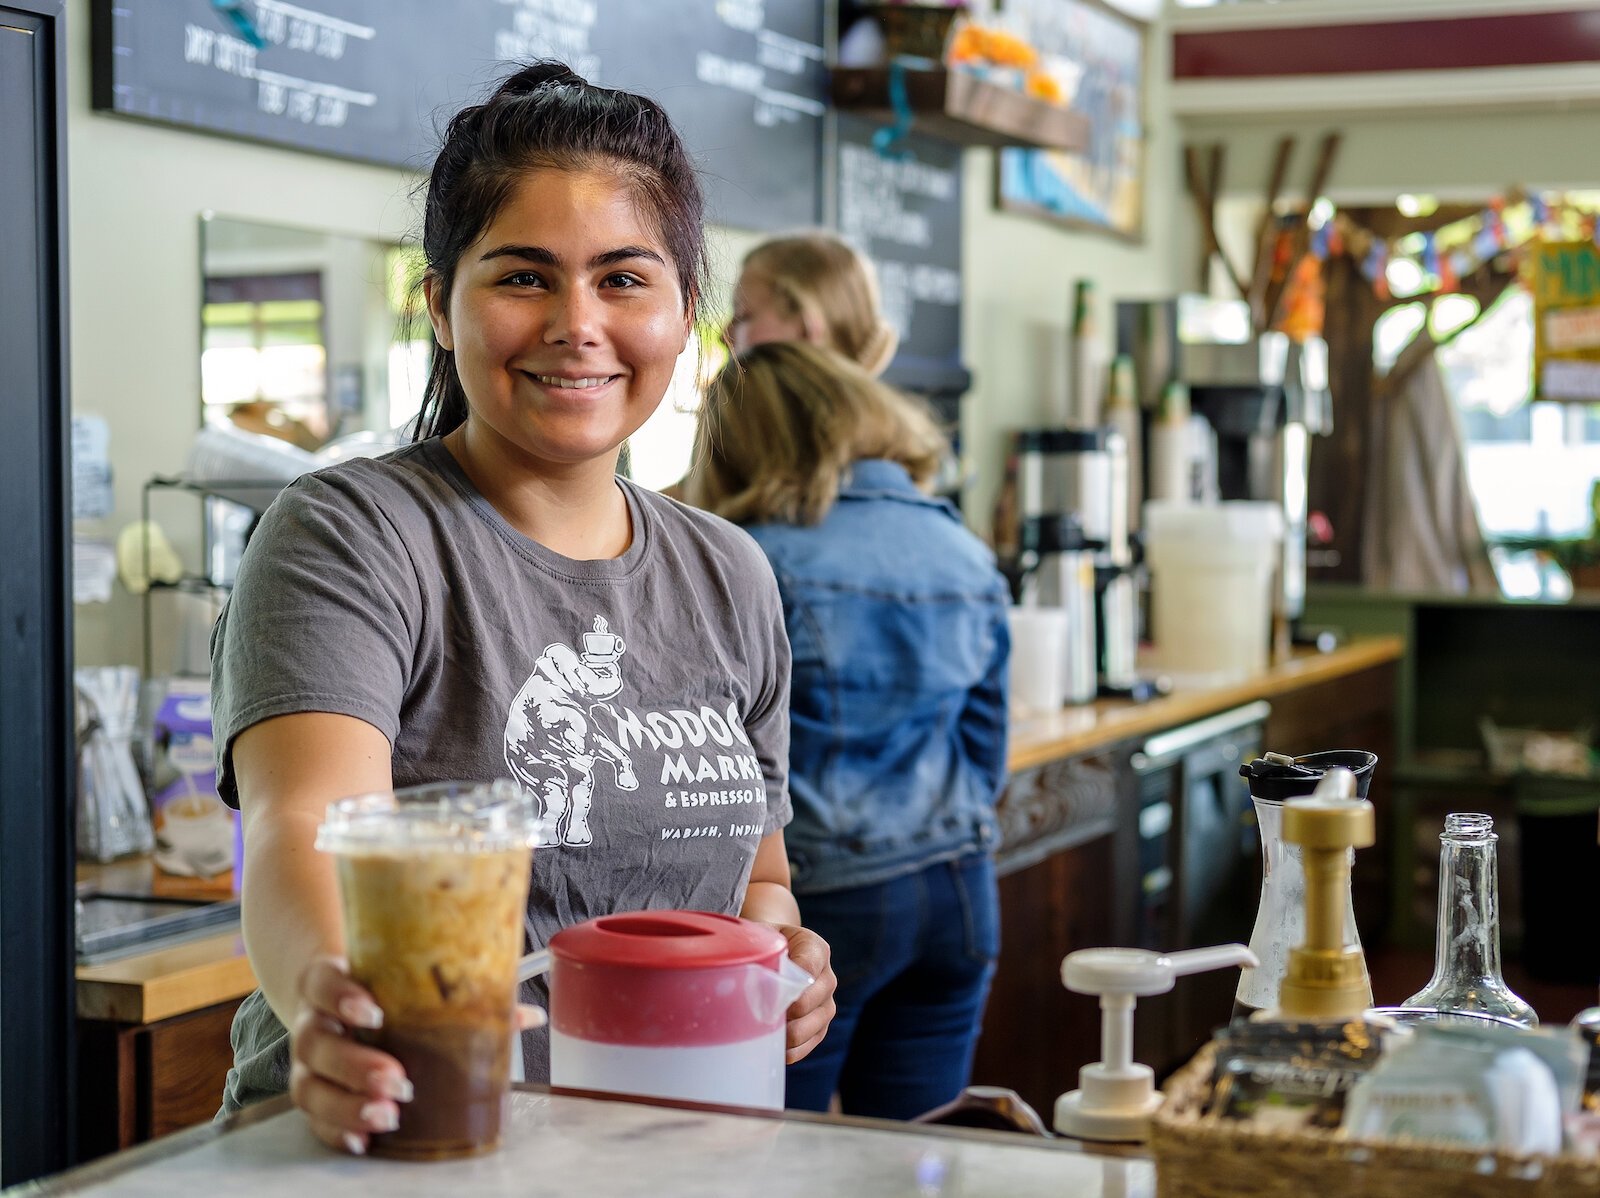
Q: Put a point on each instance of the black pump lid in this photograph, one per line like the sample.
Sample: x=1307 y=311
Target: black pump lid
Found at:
x=1278 y=776
x=1058 y=533
x=1056 y=441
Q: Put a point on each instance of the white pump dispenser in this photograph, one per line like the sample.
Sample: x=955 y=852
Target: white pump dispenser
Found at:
x=1117 y=1095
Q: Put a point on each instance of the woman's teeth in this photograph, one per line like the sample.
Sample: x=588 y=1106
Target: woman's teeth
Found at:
x=551 y=380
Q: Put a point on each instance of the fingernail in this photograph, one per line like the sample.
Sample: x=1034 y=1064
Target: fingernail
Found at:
x=531 y=1017
x=360 y=1012
x=380 y=1116
x=355 y=1145
x=390 y=1086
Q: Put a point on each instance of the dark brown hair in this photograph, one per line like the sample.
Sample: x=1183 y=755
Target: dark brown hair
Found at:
x=545 y=115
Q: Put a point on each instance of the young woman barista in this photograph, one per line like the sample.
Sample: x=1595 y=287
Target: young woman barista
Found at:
x=897 y=622
x=493 y=600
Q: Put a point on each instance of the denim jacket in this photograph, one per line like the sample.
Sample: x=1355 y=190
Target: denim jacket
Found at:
x=897 y=622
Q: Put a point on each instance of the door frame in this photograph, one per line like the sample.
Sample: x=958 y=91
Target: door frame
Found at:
x=37 y=760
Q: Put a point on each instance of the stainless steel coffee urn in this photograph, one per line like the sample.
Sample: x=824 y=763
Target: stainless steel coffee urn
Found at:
x=1082 y=473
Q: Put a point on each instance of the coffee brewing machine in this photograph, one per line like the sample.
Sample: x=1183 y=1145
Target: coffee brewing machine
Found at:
x=1072 y=499
x=1263 y=395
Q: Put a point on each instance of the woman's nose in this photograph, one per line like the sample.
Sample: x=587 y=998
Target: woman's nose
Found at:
x=574 y=318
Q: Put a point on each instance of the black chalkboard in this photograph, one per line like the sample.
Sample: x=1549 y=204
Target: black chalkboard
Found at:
x=904 y=211
x=371 y=79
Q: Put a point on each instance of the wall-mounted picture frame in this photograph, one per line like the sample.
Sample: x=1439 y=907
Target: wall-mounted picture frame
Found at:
x=1102 y=187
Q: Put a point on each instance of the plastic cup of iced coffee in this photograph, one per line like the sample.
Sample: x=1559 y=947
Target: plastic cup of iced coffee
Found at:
x=434 y=884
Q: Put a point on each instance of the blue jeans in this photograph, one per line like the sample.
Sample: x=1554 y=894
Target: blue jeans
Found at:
x=913 y=956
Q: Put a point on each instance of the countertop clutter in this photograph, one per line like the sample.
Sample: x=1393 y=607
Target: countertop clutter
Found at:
x=146 y=987
x=558 y=1143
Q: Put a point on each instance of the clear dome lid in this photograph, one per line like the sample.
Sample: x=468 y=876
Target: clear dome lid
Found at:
x=464 y=817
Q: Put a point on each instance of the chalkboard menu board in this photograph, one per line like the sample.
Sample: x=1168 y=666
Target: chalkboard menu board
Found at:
x=370 y=80
x=904 y=212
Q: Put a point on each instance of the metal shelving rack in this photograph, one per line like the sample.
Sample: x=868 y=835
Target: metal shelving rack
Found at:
x=254 y=494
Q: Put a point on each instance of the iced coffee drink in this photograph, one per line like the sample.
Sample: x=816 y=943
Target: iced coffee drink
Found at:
x=434 y=884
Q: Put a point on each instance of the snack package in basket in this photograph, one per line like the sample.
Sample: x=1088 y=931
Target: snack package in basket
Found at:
x=1290 y=1075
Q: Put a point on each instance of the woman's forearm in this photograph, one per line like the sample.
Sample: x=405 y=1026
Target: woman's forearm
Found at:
x=770 y=902
x=289 y=769
x=289 y=908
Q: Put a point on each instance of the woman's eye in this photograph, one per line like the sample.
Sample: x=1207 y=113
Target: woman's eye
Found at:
x=524 y=278
x=622 y=281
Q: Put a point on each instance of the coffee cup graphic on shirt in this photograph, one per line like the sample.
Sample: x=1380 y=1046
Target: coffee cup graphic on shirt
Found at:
x=602 y=648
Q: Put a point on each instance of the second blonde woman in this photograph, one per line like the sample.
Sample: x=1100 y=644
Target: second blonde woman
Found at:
x=896 y=617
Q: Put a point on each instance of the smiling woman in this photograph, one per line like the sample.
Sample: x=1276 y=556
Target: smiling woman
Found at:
x=565 y=344
x=493 y=601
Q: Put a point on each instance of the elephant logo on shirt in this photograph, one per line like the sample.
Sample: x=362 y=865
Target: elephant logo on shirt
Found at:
x=554 y=743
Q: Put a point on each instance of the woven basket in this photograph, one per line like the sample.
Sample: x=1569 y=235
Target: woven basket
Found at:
x=1200 y=1159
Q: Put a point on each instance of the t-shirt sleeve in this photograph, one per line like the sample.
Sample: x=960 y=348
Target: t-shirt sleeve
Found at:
x=320 y=619
x=768 y=722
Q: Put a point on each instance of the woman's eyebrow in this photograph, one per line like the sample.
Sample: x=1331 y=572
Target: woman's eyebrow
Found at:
x=624 y=254
x=532 y=253
x=546 y=257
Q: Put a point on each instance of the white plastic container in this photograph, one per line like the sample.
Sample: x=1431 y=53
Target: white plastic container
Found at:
x=1038 y=659
x=1211 y=582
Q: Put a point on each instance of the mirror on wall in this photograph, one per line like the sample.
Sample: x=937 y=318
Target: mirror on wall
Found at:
x=308 y=335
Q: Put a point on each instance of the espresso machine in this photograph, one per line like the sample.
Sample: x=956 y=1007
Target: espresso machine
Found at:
x=1263 y=395
x=1072 y=489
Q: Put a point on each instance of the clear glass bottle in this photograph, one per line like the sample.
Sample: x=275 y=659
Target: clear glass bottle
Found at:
x=1466 y=962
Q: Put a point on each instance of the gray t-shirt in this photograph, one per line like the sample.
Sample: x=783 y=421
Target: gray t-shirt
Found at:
x=646 y=696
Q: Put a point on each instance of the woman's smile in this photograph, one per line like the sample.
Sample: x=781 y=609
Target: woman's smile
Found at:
x=563 y=382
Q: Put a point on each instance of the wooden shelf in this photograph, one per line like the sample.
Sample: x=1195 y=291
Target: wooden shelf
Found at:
x=959 y=107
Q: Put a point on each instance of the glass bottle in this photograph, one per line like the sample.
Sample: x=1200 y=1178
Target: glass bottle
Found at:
x=1466 y=961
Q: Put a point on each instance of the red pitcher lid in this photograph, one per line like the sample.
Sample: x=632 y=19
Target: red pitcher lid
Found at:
x=668 y=940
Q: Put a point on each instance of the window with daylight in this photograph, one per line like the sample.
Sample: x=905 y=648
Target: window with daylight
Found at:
x=262 y=342
x=1532 y=465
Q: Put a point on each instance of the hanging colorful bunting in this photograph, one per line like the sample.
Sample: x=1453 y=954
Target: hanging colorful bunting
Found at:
x=1430 y=254
x=1321 y=240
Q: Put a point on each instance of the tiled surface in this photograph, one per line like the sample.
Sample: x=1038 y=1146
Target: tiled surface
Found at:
x=559 y=1145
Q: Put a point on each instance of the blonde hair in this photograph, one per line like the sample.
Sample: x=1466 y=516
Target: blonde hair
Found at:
x=781 y=426
x=827 y=283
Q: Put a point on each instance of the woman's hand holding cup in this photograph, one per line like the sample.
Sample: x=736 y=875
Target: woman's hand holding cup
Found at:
x=346 y=1089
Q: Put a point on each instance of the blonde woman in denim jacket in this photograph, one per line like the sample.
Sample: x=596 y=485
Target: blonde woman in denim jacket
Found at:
x=897 y=621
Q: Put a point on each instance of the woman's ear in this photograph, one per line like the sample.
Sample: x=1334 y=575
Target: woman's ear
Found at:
x=813 y=329
x=438 y=316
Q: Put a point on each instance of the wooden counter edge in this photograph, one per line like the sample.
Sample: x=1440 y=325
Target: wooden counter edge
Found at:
x=149 y=987
x=1043 y=739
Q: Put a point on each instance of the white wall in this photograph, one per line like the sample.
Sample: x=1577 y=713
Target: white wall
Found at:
x=136 y=192
x=1454 y=155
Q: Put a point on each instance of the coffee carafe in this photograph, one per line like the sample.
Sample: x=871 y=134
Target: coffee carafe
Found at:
x=1280 y=919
